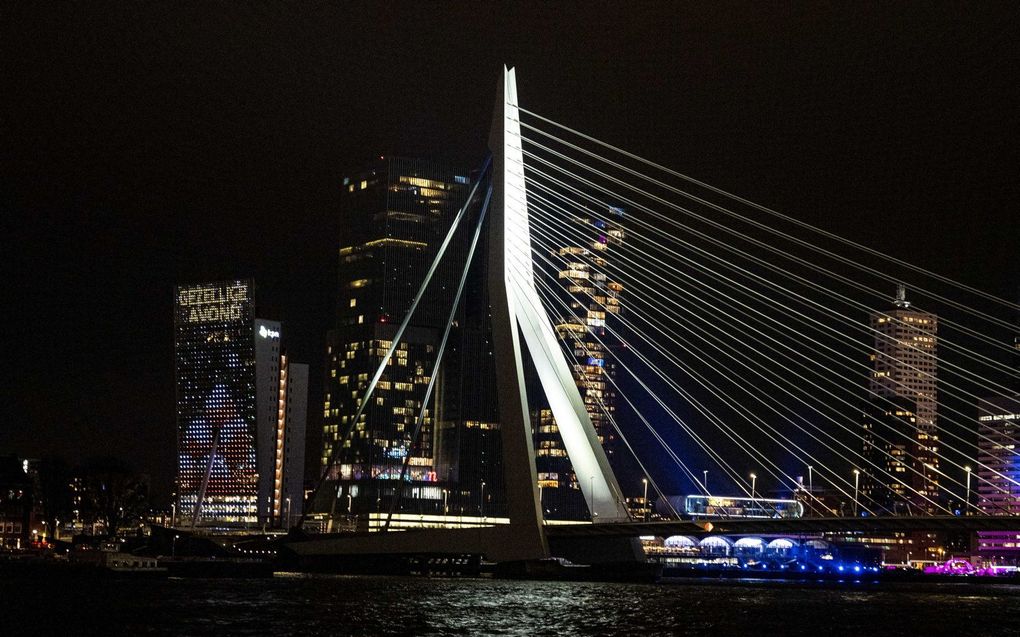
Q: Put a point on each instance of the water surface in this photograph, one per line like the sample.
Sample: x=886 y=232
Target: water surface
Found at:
x=342 y=605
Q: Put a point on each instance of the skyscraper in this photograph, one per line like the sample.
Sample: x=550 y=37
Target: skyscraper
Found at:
x=901 y=418
x=469 y=451
x=998 y=468
x=998 y=465
x=588 y=295
x=240 y=409
x=394 y=213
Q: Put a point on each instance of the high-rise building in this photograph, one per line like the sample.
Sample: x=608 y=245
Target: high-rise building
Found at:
x=998 y=470
x=469 y=451
x=240 y=410
x=588 y=292
x=394 y=215
x=998 y=465
x=901 y=417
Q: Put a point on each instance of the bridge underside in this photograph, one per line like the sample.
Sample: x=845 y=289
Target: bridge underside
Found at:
x=495 y=544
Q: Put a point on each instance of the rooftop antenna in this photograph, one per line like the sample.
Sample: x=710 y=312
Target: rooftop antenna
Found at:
x=901 y=296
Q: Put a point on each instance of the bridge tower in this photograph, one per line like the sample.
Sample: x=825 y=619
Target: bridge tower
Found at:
x=519 y=319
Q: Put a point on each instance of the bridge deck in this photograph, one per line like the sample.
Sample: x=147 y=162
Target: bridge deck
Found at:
x=790 y=525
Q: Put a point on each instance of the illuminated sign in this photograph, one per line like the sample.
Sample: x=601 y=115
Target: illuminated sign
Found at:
x=265 y=332
x=213 y=303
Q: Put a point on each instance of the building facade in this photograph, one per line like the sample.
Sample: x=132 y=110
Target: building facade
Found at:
x=998 y=464
x=469 y=448
x=588 y=291
x=901 y=437
x=17 y=504
x=240 y=410
x=394 y=215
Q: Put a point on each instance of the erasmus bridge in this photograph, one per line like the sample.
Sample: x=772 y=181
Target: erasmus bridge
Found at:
x=727 y=285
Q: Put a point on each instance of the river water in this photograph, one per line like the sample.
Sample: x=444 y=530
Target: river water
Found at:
x=343 y=605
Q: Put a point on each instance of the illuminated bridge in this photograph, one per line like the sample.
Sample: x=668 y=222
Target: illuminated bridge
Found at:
x=748 y=336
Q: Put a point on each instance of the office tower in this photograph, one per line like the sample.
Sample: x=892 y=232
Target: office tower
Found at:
x=588 y=292
x=240 y=409
x=394 y=215
x=998 y=469
x=469 y=451
x=998 y=465
x=901 y=417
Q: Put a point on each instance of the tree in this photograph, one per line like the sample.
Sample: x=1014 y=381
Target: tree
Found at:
x=113 y=493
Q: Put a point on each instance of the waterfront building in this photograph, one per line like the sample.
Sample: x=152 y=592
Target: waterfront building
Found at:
x=241 y=410
x=589 y=295
x=394 y=215
x=997 y=473
x=469 y=450
x=998 y=465
x=901 y=417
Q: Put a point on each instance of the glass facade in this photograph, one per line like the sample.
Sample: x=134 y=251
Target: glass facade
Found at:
x=589 y=287
x=395 y=214
x=214 y=327
x=241 y=411
x=998 y=465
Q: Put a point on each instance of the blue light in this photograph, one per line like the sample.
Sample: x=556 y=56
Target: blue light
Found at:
x=857 y=569
x=802 y=567
x=840 y=567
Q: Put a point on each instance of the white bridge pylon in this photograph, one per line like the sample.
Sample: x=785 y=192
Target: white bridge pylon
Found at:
x=513 y=294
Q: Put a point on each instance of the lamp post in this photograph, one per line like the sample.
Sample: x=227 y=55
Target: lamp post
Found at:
x=704 y=481
x=857 y=479
x=350 y=504
x=481 y=502
x=446 y=508
x=288 y=513
x=810 y=479
x=966 y=504
x=173 y=515
x=754 y=479
x=647 y=508
x=173 y=547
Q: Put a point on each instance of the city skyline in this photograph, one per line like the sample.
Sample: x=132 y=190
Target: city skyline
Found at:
x=117 y=223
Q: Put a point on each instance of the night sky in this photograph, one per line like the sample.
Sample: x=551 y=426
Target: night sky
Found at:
x=145 y=146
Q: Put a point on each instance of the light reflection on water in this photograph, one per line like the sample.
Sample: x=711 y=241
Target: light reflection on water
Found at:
x=340 y=605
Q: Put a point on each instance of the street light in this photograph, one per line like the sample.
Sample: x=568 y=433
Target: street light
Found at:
x=173 y=515
x=647 y=509
x=810 y=479
x=857 y=479
x=173 y=547
x=704 y=481
x=350 y=503
x=288 y=513
x=754 y=479
x=446 y=508
x=481 y=503
x=966 y=504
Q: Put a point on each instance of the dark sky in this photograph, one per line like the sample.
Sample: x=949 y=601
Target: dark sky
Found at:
x=146 y=145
